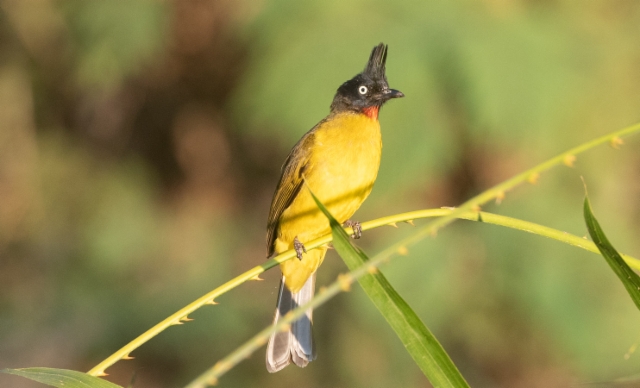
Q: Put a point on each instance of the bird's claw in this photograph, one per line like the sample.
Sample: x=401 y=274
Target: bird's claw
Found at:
x=357 y=228
x=299 y=248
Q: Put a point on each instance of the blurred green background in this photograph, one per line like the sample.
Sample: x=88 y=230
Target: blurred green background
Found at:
x=141 y=142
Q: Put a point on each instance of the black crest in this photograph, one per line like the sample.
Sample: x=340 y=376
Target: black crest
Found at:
x=377 y=60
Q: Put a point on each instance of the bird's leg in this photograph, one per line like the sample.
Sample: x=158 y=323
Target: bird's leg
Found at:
x=357 y=228
x=299 y=248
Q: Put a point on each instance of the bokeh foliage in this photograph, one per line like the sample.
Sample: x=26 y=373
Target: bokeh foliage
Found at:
x=140 y=146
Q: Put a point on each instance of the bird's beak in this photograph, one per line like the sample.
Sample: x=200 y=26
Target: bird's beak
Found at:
x=392 y=93
x=386 y=94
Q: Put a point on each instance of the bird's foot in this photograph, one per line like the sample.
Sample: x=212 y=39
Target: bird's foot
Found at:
x=357 y=228
x=299 y=248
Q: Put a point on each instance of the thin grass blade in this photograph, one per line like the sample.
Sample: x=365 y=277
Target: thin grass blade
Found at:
x=627 y=276
x=62 y=378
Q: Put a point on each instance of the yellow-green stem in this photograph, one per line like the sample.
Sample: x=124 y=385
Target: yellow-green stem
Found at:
x=390 y=220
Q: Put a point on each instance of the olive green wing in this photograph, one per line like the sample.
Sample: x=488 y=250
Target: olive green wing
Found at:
x=291 y=182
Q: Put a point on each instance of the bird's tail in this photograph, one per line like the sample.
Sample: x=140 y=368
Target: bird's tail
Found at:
x=295 y=344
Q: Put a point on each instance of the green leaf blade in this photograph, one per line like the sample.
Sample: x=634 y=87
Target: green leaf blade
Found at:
x=61 y=378
x=627 y=276
x=421 y=344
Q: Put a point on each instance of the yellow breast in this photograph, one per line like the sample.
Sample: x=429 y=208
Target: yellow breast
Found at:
x=343 y=165
x=345 y=162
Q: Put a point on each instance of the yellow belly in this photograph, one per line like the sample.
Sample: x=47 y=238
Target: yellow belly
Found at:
x=343 y=166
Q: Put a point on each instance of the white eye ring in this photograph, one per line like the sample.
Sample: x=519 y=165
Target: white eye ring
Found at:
x=363 y=89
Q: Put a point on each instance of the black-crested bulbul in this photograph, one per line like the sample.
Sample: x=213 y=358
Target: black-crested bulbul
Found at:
x=339 y=160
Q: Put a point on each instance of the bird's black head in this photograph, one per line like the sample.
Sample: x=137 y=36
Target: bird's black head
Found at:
x=367 y=91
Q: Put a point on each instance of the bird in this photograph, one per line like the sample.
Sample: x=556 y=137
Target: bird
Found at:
x=337 y=160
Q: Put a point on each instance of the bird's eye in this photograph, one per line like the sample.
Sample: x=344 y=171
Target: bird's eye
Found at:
x=363 y=89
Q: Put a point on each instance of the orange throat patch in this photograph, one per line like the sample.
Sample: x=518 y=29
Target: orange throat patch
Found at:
x=371 y=112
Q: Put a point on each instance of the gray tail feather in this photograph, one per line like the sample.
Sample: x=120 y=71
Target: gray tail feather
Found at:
x=295 y=344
